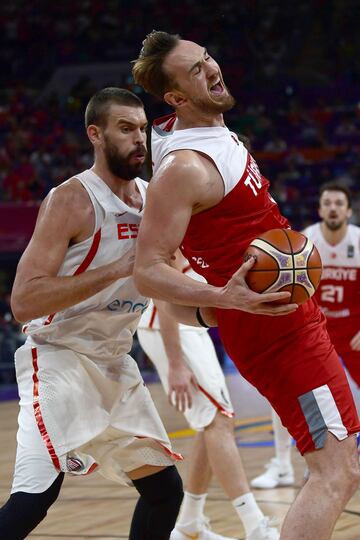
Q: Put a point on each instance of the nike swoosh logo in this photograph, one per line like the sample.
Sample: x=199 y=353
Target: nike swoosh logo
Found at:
x=240 y=504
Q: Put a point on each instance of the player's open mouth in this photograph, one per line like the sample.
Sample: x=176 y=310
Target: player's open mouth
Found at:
x=138 y=157
x=217 y=88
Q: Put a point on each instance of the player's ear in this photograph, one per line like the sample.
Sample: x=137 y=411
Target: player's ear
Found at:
x=175 y=99
x=94 y=134
x=349 y=213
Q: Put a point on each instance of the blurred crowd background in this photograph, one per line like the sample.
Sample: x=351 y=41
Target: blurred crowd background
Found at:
x=293 y=67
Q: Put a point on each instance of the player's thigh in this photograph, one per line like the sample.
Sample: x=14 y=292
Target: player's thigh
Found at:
x=34 y=470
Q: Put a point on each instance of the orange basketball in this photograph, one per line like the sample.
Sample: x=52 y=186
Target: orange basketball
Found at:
x=285 y=261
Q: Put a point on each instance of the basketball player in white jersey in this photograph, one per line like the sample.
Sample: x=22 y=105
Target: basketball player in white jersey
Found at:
x=190 y=373
x=338 y=243
x=209 y=198
x=83 y=404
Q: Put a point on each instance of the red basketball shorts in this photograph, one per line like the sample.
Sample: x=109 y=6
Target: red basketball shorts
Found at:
x=341 y=333
x=292 y=362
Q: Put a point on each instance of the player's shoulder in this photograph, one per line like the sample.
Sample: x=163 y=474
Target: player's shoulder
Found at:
x=184 y=164
x=354 y=229
x=69 y=200
x=353 y=233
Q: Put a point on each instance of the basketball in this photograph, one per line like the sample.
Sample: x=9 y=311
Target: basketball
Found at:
x=285 y=260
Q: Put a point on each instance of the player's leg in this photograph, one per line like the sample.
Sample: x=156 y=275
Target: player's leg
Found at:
x=220 y=441
x=326 y=492
x=279 y=470
x=212 y=411
x=323 y=422
x=161 y=493
x=23 y=511
x=35 y=488
x=37 y=482
x=191 y=518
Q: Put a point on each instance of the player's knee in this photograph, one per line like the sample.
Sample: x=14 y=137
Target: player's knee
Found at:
x=221 y=422
x=164 y=487
x=343 y=479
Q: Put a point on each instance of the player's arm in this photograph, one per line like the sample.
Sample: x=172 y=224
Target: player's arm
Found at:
x=180 y=377
x=173 y=195
x=187 y=314
x=65 y=216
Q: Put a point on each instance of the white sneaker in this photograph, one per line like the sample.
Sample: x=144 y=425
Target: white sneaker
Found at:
x=274 y=476
x=264 y=531
x=203 y=533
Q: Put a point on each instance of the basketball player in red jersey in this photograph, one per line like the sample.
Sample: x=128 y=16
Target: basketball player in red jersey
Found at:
x=208 y=197
x=338 y=294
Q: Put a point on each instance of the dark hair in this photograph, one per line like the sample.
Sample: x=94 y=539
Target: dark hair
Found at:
x=334 y=186
x=98 y=107
x=148 y=69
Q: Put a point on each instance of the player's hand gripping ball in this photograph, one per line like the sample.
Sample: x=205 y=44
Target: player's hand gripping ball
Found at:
x=285 y=260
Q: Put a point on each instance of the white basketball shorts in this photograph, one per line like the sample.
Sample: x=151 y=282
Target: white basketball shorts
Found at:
x=212 y=394
x=74 y=419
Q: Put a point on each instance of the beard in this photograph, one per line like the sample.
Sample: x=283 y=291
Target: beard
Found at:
x=121 y=165
x=334 y=225
x=215 y=107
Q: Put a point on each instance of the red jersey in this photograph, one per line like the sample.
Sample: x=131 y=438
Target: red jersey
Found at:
x=217 y=238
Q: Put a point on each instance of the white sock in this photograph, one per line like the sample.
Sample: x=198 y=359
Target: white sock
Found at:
x=191 y=511
x=248 y=511
x=282 y=442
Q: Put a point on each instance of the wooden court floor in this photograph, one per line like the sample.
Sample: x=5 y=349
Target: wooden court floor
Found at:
x=93 y=507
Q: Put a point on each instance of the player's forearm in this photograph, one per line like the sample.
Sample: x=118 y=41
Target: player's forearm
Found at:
x=187 y=314
x=42 y=296
x=162 y=282
x=170 y=334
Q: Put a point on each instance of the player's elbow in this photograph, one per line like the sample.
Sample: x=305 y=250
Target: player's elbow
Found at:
x=20 y=308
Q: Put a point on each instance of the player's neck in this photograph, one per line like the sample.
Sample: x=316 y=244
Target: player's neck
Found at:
x=333 y=237
x=189 y=119
x=126 y=190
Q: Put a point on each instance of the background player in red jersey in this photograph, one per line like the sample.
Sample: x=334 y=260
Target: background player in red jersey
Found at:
x=209 y=197
x=338 y=295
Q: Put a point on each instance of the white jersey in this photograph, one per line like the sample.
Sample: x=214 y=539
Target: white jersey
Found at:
x=211 y=141
x=101 y=326
x=150 y=319
x=339 y=290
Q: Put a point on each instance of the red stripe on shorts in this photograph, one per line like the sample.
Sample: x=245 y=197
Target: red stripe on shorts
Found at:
x=173 y=455
x=214 y=402
x=37 y=410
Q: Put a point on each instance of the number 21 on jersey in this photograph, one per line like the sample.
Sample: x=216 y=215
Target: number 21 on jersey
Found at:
x=332 y=293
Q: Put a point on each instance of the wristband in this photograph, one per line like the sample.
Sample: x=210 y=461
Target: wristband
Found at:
x=200 y=320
